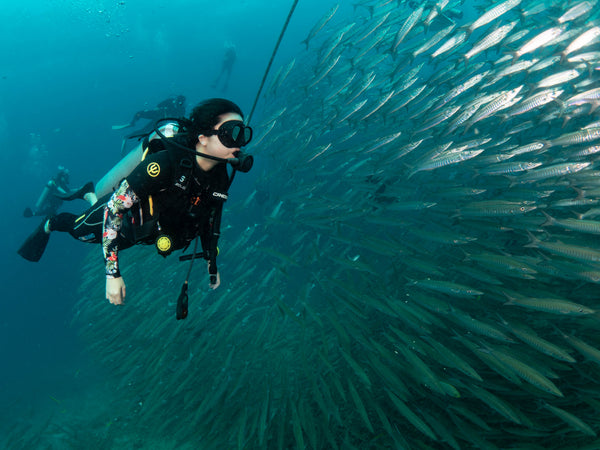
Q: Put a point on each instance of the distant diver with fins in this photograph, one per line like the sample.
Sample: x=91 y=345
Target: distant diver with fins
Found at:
x=169 y=191
x=52 y=197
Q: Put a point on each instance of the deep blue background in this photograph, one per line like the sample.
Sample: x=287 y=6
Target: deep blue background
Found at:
x=70 y=70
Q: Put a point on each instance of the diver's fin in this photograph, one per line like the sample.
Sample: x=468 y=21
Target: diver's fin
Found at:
x=33 y=248
x=79 y=193
x=120 y=127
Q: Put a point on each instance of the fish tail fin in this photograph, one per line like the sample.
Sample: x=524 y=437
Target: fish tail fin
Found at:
x=549 y=219
x=533 y=241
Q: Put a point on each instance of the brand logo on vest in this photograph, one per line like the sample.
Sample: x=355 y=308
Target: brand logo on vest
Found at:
x=181 y=182
x=153 y=169
x=220 y=195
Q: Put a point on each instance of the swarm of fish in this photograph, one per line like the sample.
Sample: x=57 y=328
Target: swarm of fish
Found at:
x=417 y=264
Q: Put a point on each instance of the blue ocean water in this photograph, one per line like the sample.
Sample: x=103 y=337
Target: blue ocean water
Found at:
x=70 y=70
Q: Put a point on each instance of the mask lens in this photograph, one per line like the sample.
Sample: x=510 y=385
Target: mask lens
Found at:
x=234 y=134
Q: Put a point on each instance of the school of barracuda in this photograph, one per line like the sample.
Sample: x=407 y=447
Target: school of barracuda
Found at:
x=418 y=264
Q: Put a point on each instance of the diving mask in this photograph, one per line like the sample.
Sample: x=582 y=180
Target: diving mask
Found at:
x=232 y=134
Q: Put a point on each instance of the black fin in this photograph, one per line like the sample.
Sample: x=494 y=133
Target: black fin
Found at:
x=79 y=193
x=33 y=248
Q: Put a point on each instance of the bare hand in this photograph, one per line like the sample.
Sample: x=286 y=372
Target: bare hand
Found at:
x=115 y=290
x=217 y=279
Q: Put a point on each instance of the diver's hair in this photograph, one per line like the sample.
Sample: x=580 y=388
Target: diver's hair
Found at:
x=205 y=117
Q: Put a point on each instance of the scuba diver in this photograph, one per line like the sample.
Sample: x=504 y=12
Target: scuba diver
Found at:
x=170 y=107
x=55 y=192
x=227 y=66
x=169 y=191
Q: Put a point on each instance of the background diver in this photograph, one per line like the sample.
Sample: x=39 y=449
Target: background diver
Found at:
x=175 y=194
x=170 y=107
x=226 y=67
x=56 y=191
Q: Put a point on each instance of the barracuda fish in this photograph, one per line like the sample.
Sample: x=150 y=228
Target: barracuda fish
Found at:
x=447 y=287
x=559 y=78
x=439 y=118
x=379 y=105
x=473 y=81
x=557 y=170
x=496 y=208
x=589 y=37
x=435 y=11
x=531 y=338
x=325 y=72
x=526 y=372
x=576 y=252
x=451 y=44
x=550 y=305
x=576 y=11
x=366 y=83
x=360 y=406
x=320 y=24
x=580 y=225
x=445 y=160
x=493 y=38
x=407 y=25
x=588 y=351
x=409 y=415
x=538 y=41
x=536 y=100
x=510 y=168
x=577 y=137
x=435 y=39
x=570 y=419
x=529 y=148
x=353 y=110
x=503 y=101
x=591 y=96
x=479 y=327
x=493 y=14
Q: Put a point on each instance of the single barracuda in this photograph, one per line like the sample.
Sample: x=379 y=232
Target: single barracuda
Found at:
x=496 y=208
x=503 y=101
x=473 y=81
x=446 y=160
x=494 y=38
x=447 y=287
x=550 y=305
x=576 y=252
x=538 y=41
x=577 y=137
x=493 y=14
x=527 y=373
x=320 y=24
x=536 y=101
x=570 y=419
x=576 y=11
x=407 y=25
x=451 y=44
x=580 y=225
x=557 y=170
x=559 y=78
x=509 y=168
x=588 y=37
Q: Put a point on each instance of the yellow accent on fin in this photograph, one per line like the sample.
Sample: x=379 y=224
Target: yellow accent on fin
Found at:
x=80 y=217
